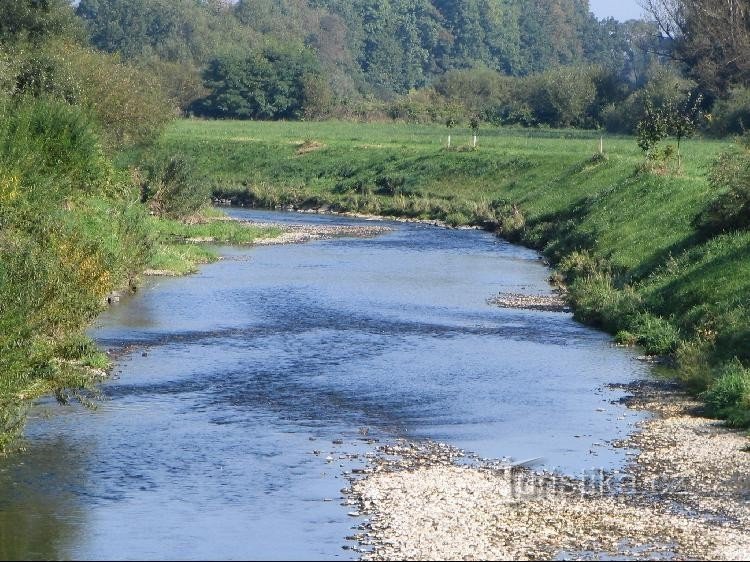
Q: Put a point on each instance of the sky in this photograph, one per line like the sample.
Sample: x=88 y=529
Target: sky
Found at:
x=618 y=9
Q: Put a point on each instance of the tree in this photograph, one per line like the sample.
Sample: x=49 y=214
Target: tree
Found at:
x=36 y=20
x=710 y=37
x=675 y=118
x=265 y=84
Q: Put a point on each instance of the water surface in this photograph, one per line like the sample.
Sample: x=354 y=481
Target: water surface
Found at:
x=233 y=385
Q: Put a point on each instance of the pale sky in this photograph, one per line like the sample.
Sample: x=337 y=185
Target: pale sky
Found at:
x=618 y=9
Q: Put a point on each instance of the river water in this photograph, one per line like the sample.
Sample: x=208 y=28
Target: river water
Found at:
x=221 y=435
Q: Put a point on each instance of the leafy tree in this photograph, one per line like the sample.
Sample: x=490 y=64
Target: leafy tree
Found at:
x=264 y=84
x=561 y=97
x=36 y=20
x=675 y=118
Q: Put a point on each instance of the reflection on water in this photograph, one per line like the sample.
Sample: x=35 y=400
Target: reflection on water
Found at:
x=221 y=434
x=39 y=519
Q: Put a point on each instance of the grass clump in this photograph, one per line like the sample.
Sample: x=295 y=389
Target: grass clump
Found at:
x=729 y=396
x=182 y=245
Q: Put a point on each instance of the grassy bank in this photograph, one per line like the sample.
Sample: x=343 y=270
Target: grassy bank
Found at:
x=624 y=239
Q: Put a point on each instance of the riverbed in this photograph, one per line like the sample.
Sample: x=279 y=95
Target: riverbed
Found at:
x=244 y=393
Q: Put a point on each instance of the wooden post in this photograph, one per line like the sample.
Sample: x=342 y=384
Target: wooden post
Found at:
x=449 y=141
x=601 y=144
x=475 y=141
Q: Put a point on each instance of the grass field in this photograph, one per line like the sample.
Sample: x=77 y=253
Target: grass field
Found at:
x=622 y=237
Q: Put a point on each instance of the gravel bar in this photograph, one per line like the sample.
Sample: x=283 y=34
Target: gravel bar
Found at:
x=684 y=496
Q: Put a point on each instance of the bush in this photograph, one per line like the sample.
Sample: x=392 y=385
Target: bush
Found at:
x=657 y=335
x=731 y=116
x=563 y=97
x=268 y=83
x=457 y=218
x=597 y=301
x=731 y=209
x=51 y=149
x=172 y=190
x=578 y=264
x=662 y=86
x=128 y=103
x=693 y=366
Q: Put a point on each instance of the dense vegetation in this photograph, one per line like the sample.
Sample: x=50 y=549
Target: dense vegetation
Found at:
x=537 y=63
x=658 y=258
x=350 y=59
x=73 y=228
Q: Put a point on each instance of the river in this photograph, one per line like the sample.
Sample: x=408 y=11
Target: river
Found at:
x=239 y=389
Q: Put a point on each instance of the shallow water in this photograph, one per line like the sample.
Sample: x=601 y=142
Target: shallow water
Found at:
x=228 y=382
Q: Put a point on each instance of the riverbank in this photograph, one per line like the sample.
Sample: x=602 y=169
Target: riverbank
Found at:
x=684 y=495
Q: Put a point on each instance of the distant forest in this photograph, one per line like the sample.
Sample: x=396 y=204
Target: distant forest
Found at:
x=378 y=47
x=343 y=51
x=524 y=62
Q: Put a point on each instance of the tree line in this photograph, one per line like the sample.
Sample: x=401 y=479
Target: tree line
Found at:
x=339 y=57
x=531 y=63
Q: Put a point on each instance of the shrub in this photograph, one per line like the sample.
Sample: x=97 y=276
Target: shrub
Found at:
x=662 y=85
x=623 y=337
x=129 y=103
x=578 y=264
x=731 y=116
x=511 y=220
x=693 y=367
x=457 y=218
x=172 y=190
x=562 y=97
x=730 y=210
x=389 y=185
x=597 y=301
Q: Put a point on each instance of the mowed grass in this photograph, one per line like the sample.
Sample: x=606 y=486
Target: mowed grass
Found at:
x=623 y=235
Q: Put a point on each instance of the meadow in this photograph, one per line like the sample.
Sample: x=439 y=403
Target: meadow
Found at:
x=623 y=235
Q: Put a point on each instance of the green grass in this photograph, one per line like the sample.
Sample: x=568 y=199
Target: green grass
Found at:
x=182 y=246
x=639 y=267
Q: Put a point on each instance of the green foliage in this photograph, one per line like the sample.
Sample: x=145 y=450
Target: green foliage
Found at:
x=171 y=189
x=730 y=177
x=67 y=238
x=674 y=118
x=33 y=21
x=729 y=396
x=598 y=302
x=660 y=85
x=561 y=97
x=370 y=48
x=657 y=335
x=731 y=115
x=264 y=84
x=653 y=128
x=127 y=102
